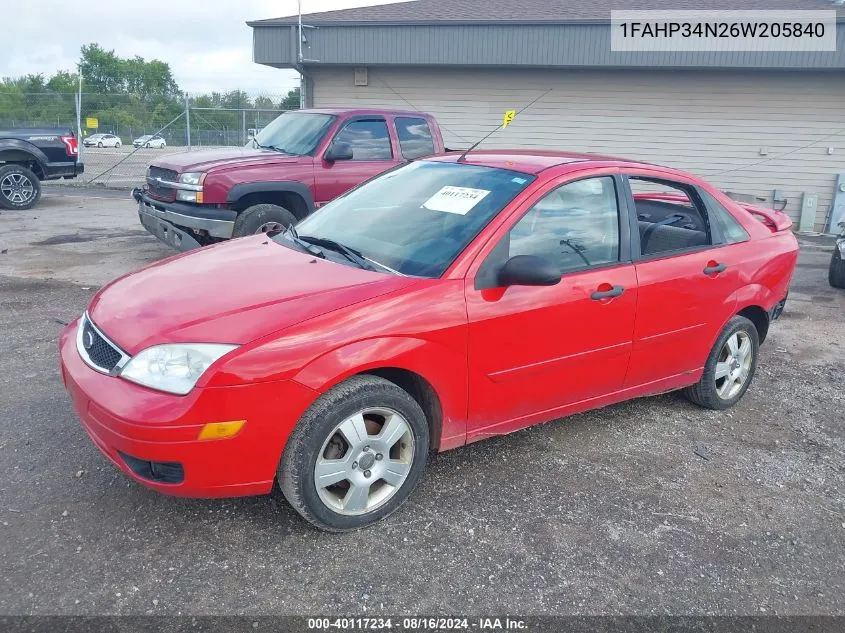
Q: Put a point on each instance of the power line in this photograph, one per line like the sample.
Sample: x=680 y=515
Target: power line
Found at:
x=779 y=156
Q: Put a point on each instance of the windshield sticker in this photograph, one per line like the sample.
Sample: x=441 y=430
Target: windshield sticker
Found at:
x=519 y=181
x=458 y=200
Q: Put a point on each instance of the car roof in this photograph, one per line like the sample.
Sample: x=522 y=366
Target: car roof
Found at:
x=535 y=161
x=363 y=111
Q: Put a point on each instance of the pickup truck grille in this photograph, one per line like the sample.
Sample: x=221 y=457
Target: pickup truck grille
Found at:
x=156 y=190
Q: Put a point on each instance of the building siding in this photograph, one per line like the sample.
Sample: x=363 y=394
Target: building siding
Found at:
x=544 y=45
x=711 y=123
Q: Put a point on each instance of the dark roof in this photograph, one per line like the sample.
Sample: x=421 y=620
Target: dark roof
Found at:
x=533 y=11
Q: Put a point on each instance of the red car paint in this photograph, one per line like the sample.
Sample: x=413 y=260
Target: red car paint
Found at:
x=498 y=359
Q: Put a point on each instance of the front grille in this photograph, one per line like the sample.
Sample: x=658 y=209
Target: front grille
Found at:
x=164 y=174
x=96 y=350
x=156 y=190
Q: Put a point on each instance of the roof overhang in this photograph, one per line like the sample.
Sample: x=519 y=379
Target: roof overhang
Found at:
x=575 y=44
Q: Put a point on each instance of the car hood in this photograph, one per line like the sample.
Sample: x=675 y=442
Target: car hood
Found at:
x=225 y=157
x=234 y=292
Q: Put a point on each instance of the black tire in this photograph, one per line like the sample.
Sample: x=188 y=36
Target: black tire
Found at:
x=296 y=468
x=705 y=392
x=100 y=144
x=252 y=219
x=118 y=144
x=147 y=146
x=18 y=180
x=836 y=274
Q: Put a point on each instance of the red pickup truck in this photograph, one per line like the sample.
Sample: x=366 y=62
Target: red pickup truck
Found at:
x=297 y=163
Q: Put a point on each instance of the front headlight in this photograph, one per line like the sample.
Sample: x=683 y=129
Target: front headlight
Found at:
x=174 y=368
x=189 y=196
x=192 y=178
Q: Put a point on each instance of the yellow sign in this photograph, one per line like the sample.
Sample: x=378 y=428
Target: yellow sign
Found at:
x=509 y=115
x=92 y=122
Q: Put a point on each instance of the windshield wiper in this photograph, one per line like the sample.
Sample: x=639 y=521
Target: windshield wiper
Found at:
x=351 y=254
x=282 y=150
x=308 y=248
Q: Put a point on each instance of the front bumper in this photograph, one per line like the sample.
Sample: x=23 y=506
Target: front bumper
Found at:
x=133 y=426
x=176 y=223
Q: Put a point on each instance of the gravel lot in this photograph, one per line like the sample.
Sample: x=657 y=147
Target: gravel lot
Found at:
x=648 y=507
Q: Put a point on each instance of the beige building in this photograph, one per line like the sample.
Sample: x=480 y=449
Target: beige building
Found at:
x=765 y=125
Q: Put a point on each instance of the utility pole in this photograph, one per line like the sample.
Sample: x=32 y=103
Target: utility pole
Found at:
x=188 y=121
x=299 y=58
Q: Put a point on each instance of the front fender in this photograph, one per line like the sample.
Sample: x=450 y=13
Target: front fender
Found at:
x=444 y=369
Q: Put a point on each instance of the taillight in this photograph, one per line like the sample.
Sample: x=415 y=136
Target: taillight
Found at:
x=71 y=145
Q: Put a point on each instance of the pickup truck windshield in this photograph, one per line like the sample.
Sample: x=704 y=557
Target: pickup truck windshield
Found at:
x=294 y=132
x=416 y=219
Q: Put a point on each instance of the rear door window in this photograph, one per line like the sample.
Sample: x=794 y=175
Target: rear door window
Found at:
x=670 y=215
x=415 y=138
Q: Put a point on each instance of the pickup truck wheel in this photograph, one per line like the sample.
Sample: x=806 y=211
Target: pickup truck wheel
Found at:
x=355 y=455
x=836 y=274
x=261 y=218
x=19 y=188
x=730 y=367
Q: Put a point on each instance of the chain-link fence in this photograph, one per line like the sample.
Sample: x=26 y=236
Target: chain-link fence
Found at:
x=123 y=133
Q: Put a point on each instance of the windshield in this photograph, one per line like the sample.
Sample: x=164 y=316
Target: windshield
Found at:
x=416 y=219
x=294 y=132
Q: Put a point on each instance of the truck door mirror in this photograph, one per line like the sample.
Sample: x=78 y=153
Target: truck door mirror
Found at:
x=338 y=151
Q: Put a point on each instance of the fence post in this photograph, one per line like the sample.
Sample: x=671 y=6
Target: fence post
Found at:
x=188 y=121
x=243 y=126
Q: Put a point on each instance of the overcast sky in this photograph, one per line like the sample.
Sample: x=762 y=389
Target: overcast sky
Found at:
x=206 y=42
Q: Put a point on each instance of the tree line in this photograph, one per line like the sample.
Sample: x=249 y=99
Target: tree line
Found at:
x=129 y=96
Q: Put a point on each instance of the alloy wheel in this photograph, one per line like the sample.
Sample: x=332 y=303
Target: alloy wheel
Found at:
x=364 y=461
x=17 y=189
x=734 y=365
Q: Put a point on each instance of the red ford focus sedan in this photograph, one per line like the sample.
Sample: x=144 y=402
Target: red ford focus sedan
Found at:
x=448 y=300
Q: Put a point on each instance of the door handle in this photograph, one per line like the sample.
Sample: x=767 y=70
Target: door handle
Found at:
x=715 y=269
x=615 y=291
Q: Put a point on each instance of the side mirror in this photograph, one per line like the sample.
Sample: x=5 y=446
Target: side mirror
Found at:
x=338 y=151
x=528 y=270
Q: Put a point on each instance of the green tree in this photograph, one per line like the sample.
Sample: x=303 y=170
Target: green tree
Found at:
x=291 y=100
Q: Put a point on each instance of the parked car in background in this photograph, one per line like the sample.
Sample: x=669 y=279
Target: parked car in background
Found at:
x=30 y=155
x=150 y=140
x=102 y=140
x=301 y=160
x=836 y=274
x=450 y=300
